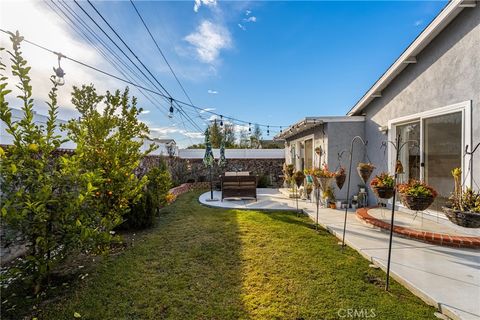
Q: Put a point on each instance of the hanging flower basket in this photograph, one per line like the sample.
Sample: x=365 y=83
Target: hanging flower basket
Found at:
x=324 y=182
x=340 y=177
x=365 y=171
x=466 y=219
x=416 y=203
x=383 y=185
x=383 y=192
x=464 y=206
x=299 y=176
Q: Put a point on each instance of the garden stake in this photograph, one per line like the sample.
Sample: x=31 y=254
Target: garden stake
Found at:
x=398 y=148
x=348 y=186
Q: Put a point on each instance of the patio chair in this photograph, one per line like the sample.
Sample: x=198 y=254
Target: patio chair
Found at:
x=239 y=185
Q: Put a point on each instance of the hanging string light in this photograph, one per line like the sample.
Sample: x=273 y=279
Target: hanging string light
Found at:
x=170 y=114
x=221 y=121
x=280 y=129
x=268 y=130
x=59 y=73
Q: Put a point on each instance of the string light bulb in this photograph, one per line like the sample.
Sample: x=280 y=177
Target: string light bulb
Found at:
x=221 y=121
x=170 y=115
x=59 y=73
x=268 y=130
x=249 y=127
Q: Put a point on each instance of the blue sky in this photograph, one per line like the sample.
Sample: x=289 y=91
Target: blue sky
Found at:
x=267 y=62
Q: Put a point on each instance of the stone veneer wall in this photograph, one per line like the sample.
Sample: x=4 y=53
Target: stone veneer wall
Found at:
x=193 y=170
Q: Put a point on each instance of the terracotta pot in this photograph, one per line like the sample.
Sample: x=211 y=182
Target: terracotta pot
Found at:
x=383 y=192
x=464 y=219
x=333 y=206
x=364 y=173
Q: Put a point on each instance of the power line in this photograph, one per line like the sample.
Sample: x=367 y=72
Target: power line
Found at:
x=161 y=52
x=142 y=87
x=136 y=57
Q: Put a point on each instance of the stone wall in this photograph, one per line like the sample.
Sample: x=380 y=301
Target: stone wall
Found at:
x=193 y=170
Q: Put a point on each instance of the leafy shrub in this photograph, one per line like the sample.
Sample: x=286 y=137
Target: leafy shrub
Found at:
x=263 y=181
x=109 y=143
x=142 y=213
x=155 y=195
x=43 y=195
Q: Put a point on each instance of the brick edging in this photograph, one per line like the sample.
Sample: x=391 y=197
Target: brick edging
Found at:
x=430 y=237
x=185 y=187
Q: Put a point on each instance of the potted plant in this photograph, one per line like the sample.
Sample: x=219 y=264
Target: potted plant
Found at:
x=329 y=195
x=298 y=177
x=288 y=170
x=318 y=150
x=340 y=177
x=365 y=170
x=464 y=206
x=324 y=177
x=383 y=185
x=416 y=195
x=309 y=189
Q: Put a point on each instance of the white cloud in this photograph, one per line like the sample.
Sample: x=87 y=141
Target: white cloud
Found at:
x=250 y=19
x=208 y=3
x=241 y=26
x=418 y=23
x=50 y=31
x=208 y=40
x=145 y=111
x=206 y=110
x=210 y=91
x=164 y=132
x=247 y=12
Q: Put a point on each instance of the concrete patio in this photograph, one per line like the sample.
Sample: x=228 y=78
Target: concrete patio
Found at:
x=446 y=277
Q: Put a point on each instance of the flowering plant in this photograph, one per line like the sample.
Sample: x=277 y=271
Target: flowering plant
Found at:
x=383 y=180
x=323 y=172
x=416 y=188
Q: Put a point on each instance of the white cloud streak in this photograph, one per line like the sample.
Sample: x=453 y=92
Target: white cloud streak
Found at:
x=208 y=40
x=250 y=19
x=210 y=91
x=208 y=3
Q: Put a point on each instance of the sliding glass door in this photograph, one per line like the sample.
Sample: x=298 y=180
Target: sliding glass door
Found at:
x=435 y=149
x=442 y=144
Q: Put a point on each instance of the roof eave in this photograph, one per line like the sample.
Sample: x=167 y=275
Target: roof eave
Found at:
x=409 y=56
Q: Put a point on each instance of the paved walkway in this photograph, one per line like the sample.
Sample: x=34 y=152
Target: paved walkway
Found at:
x=448 y=278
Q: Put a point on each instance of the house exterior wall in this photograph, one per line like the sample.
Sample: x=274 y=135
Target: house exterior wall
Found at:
x=342 y=134
x=447 y=72
x=319 y=140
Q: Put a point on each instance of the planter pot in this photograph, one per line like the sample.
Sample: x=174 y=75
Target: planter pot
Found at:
x=416 y=203
x=332 y=206
x=339 y=204
x=340 y=180
x=464 y=219
x=383 y=192
x=354 y=206
x=364 y=173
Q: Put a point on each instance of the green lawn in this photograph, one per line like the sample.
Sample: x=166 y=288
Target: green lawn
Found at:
x=203 y=263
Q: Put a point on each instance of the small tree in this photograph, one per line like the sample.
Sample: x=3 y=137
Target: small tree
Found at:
x=109 y=137
x=256 y=137
x=41 y=192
